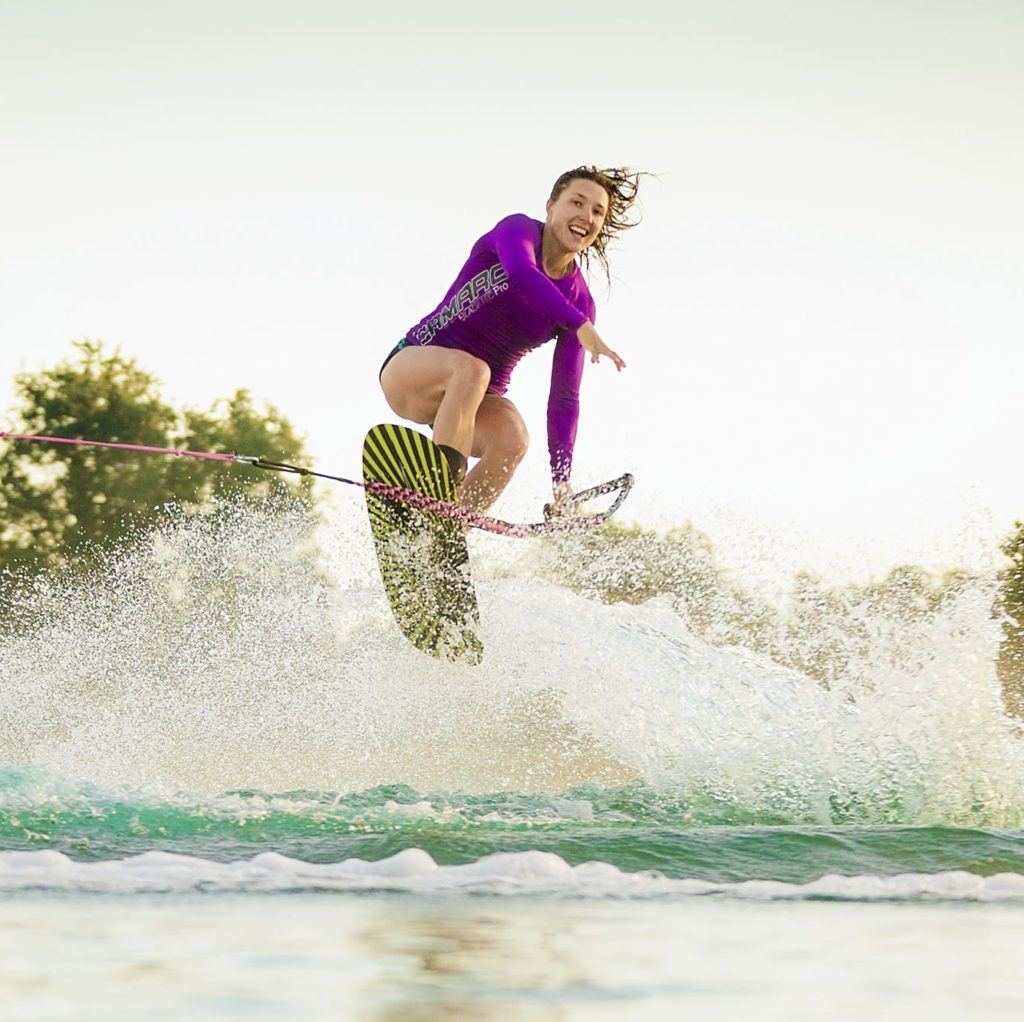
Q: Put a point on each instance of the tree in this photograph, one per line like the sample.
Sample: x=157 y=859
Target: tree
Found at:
x=236 y=425
x=60 y=504
x=1011 y=650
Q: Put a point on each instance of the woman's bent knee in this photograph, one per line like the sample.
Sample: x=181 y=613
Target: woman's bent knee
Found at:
x=502 y=436
x=470 y=372
x=518 y=441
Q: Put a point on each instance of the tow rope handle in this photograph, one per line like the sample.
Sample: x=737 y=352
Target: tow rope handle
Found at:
x=623 y=485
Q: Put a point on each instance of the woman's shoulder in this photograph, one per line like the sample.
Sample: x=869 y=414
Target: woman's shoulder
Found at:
x=516 y=232
x=518 y=224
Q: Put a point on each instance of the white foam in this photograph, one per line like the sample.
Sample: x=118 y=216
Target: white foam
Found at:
x=216 y=656
x=530 y=873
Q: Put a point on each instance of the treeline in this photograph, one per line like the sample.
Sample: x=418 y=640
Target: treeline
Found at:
x=61 y=505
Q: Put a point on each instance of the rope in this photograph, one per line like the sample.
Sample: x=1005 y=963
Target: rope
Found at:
x=411 y=497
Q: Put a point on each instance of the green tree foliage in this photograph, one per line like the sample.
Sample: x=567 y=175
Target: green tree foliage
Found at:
x=1011 y=652
x=237 y=425
x=59 y=503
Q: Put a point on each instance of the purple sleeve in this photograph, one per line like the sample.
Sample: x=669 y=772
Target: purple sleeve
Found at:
x=564 y=401
x=515 y=242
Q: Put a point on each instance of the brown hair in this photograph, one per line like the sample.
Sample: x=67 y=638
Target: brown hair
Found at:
x=621 y=184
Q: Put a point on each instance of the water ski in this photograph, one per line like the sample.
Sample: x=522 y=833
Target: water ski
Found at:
x=424 y=562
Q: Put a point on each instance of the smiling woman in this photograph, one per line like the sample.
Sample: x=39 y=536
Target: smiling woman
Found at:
x=520 y=287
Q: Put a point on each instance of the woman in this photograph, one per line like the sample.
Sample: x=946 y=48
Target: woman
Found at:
x=520 y=287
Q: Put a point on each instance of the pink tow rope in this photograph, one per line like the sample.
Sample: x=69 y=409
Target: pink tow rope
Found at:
x=623 y=485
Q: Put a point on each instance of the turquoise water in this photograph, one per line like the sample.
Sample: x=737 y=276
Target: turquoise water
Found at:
x=226 y=790
x=57 y=825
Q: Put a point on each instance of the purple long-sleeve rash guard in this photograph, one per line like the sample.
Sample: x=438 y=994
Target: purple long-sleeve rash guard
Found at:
x=503 y=305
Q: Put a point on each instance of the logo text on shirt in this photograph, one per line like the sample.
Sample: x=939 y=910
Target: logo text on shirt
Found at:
x=471 y=296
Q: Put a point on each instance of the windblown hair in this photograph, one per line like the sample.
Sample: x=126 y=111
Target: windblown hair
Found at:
x=621 y=184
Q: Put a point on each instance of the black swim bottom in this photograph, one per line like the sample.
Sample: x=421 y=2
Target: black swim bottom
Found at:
x=403 y=343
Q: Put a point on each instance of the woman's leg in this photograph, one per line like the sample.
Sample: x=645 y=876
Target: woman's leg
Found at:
x=448 y=390
x=439 y=387
x=500 y=441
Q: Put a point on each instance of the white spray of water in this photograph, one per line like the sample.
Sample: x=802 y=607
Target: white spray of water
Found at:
x=214 y=655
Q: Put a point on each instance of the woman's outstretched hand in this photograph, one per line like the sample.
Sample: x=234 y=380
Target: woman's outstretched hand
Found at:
x=591 y=341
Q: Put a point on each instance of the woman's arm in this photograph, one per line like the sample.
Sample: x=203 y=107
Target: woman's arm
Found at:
x=515 y=241
x=564 y=402
x=564 y=407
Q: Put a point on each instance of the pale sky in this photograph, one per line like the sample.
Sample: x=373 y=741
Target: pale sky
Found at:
x=822 y=312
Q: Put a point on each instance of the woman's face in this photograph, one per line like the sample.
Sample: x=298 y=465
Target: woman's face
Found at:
x=577 y=215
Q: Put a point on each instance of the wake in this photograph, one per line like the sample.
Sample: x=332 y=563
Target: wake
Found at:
x=225 y=652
